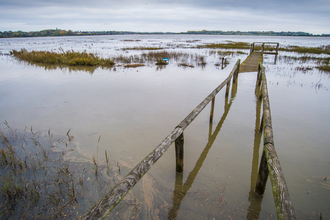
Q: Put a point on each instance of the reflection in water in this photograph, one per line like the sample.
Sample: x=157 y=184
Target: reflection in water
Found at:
x=89 y=69
x=255 y=199
x=181 y=189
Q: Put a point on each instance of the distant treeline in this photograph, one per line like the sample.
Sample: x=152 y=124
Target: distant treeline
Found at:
x=59 y=32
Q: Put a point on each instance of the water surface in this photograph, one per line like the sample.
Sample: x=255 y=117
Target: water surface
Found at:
x=133 y=110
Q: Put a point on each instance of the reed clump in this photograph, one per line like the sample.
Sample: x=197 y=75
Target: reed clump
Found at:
x=70 y=58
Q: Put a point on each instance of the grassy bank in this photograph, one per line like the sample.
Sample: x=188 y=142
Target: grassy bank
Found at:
x=70 y=58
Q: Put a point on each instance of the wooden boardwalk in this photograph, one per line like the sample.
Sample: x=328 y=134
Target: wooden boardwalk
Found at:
x=251 y=63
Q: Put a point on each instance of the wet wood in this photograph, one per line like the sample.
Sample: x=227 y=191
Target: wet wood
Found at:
x=118 y=192
x=179 y=153
x=284 y=208
x=250 y=64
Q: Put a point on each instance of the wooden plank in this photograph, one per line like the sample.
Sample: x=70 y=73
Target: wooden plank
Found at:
x=250 y=64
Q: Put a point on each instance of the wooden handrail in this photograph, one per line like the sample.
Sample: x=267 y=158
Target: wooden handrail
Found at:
x=104 y=206
x=270 y=164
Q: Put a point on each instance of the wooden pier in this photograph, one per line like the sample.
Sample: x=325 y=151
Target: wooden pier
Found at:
x=251 y=62
x=269 y=165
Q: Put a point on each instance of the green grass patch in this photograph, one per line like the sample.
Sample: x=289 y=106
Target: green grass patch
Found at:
x=70 y=58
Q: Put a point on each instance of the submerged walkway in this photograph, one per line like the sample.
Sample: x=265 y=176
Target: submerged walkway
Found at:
x=251 y=63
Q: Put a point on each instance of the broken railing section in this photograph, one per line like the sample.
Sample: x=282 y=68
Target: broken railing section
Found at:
x=104 y=206
x=270 y=164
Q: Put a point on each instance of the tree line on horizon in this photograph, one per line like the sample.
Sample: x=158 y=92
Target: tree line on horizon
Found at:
x=59 y=32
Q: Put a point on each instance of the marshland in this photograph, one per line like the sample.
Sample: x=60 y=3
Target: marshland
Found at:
x=71 y=130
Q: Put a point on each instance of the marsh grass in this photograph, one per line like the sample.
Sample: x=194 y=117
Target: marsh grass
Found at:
x=143 y=48
x=324 y=68
x=37 y=181
x=131 y=40
x=69 y=58
x=134 y=65
x=312 y=50
x=155 y=57
x=186 y=65
x=229 y=45
x=322 y=63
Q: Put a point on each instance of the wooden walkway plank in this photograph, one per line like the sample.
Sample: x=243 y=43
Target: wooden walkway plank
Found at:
x=250 y=64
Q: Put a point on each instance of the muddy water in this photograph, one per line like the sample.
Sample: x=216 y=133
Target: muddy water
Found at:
x=134 y=109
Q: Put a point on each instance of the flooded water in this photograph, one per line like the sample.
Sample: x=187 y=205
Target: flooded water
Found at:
x=134 y=109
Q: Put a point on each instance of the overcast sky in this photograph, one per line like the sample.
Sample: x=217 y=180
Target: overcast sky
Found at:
x=311 y=16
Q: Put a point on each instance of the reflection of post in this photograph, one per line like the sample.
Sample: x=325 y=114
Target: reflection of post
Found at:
x=255 y=199
x=262 y=175
x=178 y=195
x=179 y=153
x=180 y=191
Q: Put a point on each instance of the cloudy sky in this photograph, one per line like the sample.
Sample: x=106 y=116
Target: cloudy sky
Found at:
x=311 y=16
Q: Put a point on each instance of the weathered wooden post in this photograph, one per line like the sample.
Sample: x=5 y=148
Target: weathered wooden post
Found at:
x=277 y=45
x=223 y=62
x=227 y=89
x=252 y=48
x=179 y=153
x=236 y=73
x=270 y=164
x=262 y=48
x=212 y=110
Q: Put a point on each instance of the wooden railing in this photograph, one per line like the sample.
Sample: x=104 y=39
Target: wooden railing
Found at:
x=270 y=164
x=263 y=51
x=104 y=206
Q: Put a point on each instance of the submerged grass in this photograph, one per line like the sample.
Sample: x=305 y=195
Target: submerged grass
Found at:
x=38 y=182
x=70 y=58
